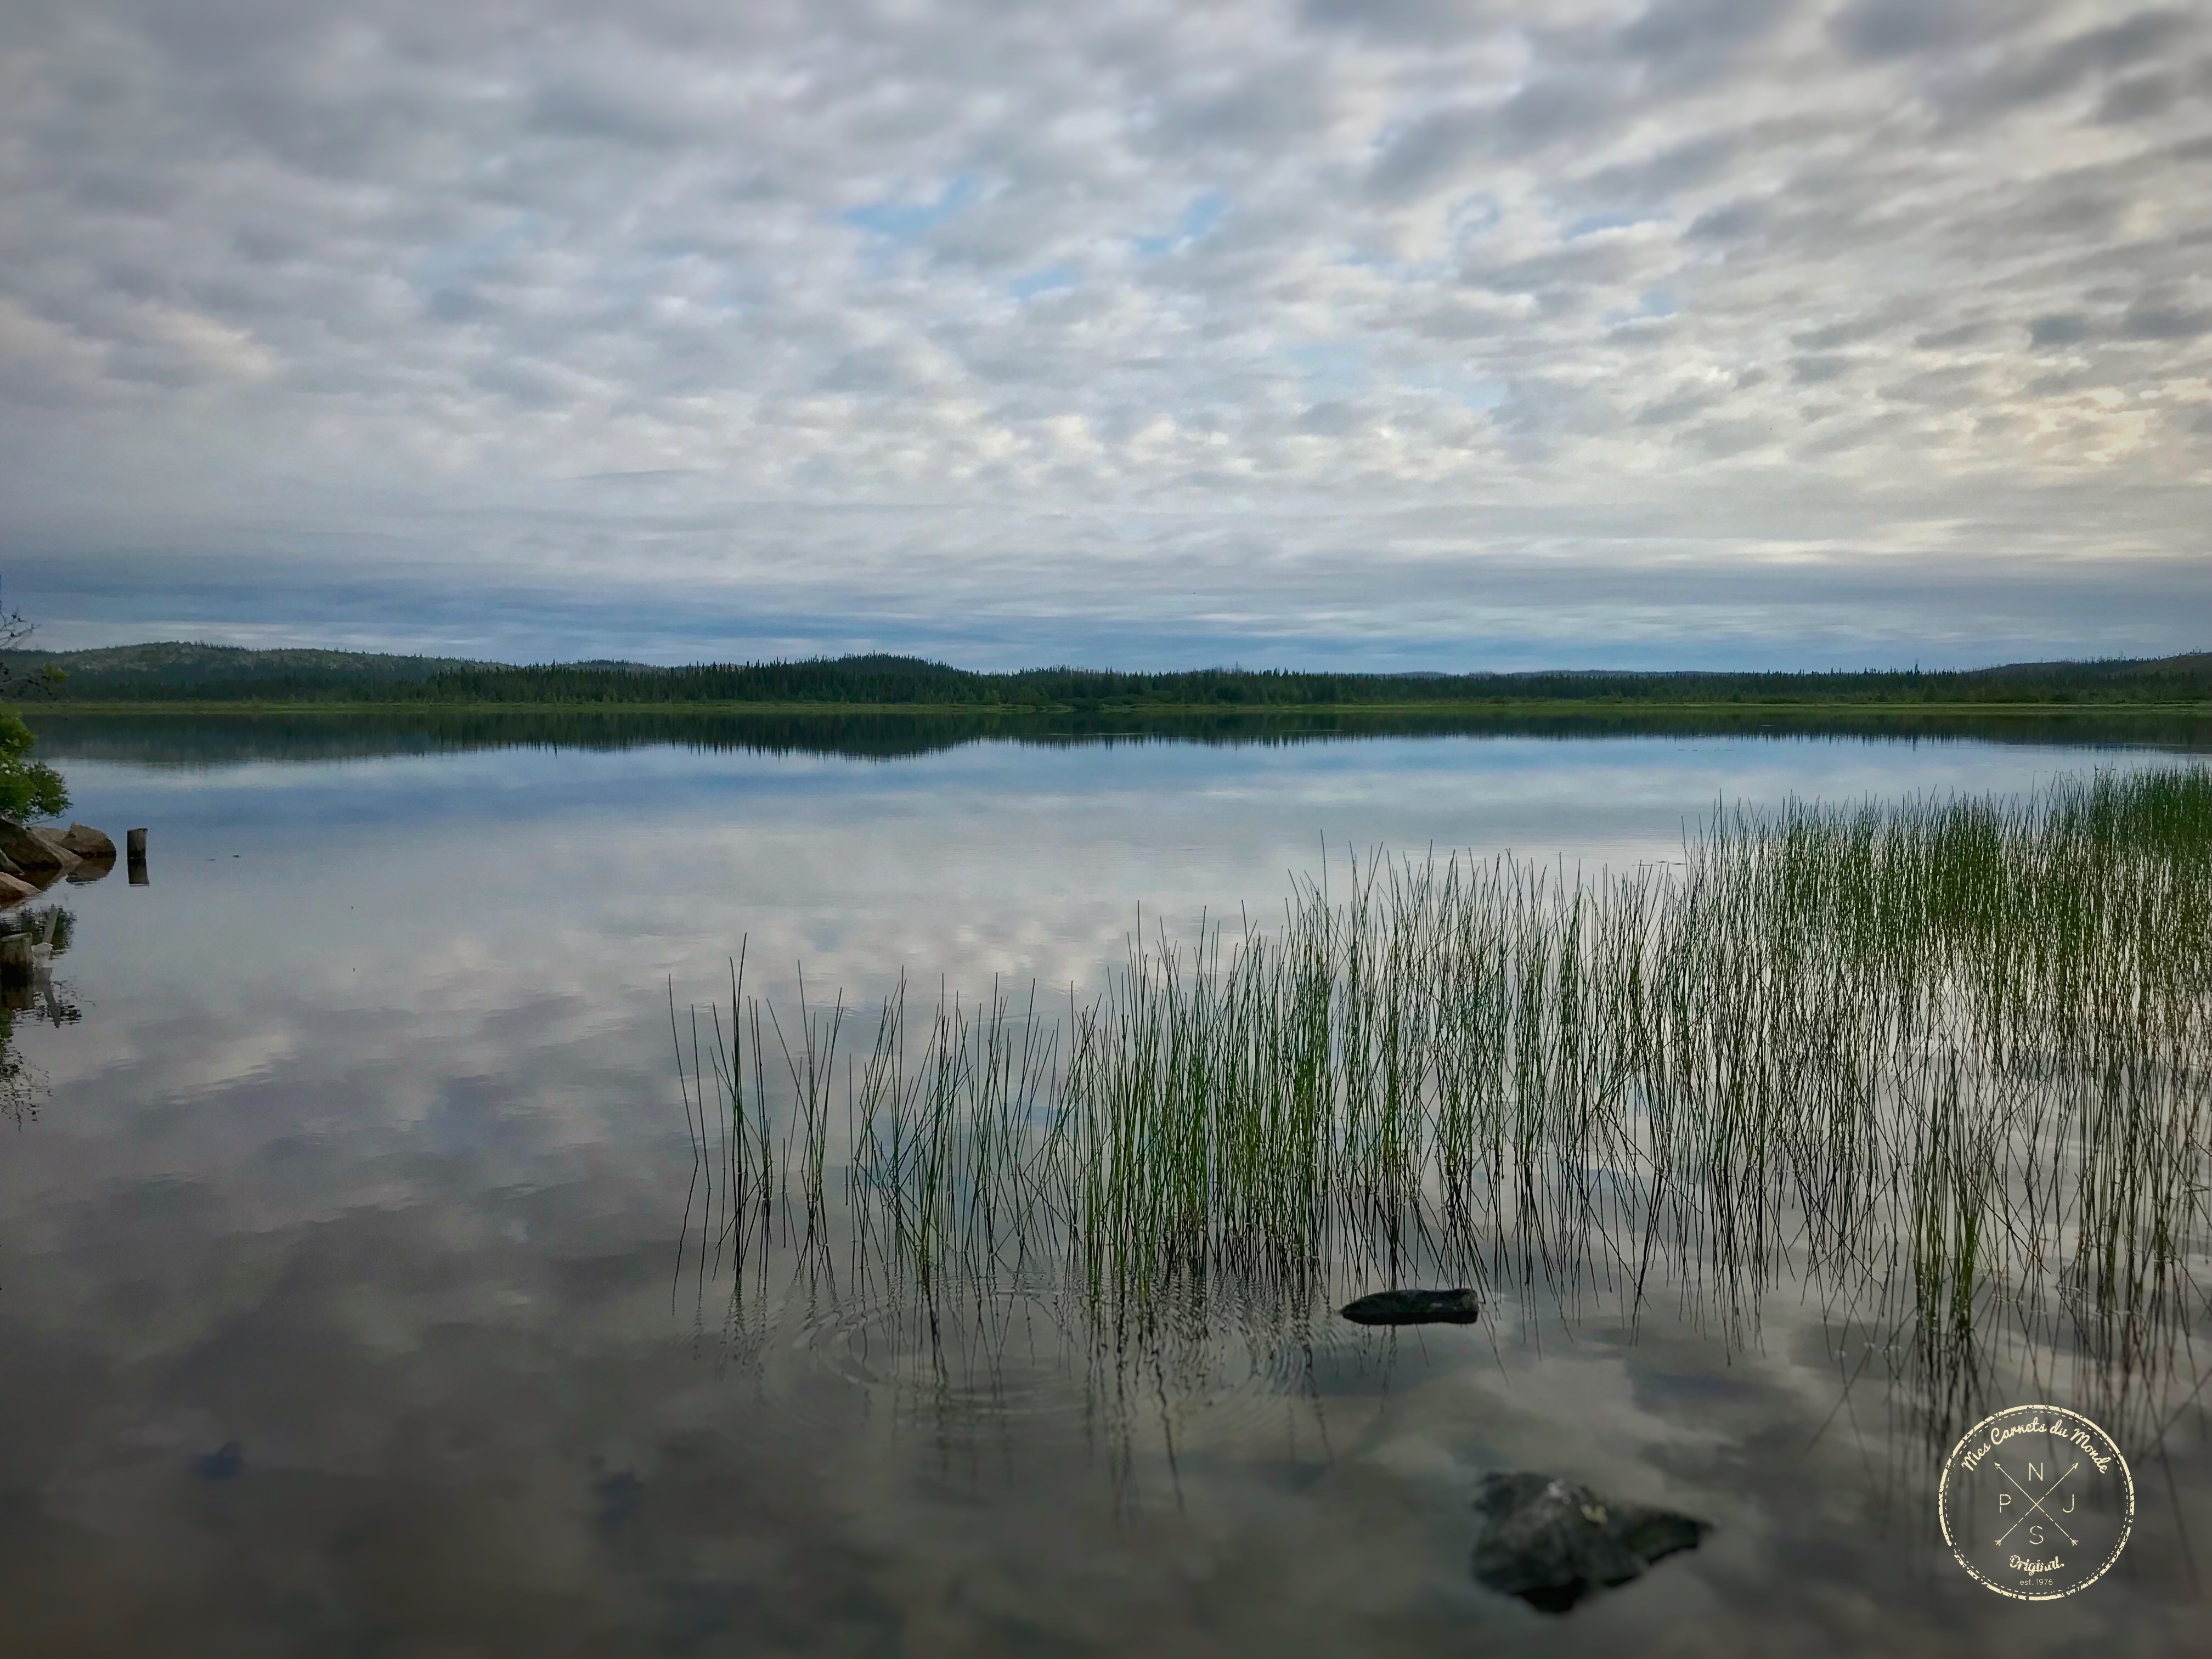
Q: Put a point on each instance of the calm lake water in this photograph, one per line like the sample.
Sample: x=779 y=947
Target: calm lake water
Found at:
x=352 y=1298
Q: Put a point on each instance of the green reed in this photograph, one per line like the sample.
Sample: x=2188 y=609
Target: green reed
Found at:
x=1932 y=1057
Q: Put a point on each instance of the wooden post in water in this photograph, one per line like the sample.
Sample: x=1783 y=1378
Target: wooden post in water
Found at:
x=15 y=958
x=134 y=842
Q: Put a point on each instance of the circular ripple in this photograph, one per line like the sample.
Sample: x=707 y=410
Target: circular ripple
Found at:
x=1000 y=1352
x=1038 y=1359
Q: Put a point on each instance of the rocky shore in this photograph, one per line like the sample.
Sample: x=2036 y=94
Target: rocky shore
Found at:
x=34 y=858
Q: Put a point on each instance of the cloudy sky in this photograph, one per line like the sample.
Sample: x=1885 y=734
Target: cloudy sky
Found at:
x=1441 y=333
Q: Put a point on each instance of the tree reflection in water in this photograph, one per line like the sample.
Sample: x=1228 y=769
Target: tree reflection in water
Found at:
x=33 y=938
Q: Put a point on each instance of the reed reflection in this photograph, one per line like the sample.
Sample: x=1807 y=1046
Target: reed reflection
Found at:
x=1940 y=1072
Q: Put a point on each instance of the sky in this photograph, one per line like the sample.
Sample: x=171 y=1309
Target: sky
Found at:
x=1434 y=334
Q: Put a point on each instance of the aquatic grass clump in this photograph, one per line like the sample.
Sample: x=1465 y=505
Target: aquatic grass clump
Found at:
x=1930 y=1058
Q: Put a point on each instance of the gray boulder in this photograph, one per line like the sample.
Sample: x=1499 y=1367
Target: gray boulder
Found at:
x=1551 y=1543
x=87 y=843
x=1414 y=1308
x=34 y=849
x=95 y=851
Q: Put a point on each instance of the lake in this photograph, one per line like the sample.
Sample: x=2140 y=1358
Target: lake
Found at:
x=367 y=1283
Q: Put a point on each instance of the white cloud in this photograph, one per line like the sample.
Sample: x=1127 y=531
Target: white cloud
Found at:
x=1734 y=275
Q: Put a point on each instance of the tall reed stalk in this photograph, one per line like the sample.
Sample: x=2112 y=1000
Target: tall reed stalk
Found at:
x=1953 y=1050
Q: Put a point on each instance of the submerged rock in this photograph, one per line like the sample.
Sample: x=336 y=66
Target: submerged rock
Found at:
x=1414 y=1308
x=1551 y=1543
x=224 y=1463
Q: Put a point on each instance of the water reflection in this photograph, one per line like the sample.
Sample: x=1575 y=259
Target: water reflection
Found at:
x=335 y=1279
x=32 y=939
x=203 y=740
x=1926 y=1087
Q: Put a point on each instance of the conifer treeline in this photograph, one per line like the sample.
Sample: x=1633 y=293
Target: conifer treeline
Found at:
x=886 y=680
x=883 y=679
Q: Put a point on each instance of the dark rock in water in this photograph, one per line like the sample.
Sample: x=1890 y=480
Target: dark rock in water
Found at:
x=87 y=843
x=224 y=1463
x=1414 y=1308
x=14 y=890
x=1551 y=1543
x=1654 y=1535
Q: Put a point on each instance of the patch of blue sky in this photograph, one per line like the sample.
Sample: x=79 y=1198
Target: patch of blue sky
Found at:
x=1472 y=215
x=1403 y=270
x=1198 y=222
x=1590 y=223
x=1655 y=304
x=1335 y=367
x=1478 y=392
x=1051 y=280
x=905 y=222
x=443 y=266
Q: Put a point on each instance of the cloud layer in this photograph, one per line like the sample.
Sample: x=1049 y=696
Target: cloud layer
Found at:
x=1378 y=331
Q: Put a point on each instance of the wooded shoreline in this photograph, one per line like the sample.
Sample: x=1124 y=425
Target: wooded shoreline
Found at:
x=1470 y=706
x=177 y=677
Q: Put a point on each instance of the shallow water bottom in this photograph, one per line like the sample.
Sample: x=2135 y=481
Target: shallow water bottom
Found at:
x=559 y=1467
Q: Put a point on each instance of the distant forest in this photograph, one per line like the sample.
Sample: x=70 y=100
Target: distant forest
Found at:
x=180 y=673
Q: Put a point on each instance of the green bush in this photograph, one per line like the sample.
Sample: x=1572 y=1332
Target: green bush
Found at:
x=28 y=788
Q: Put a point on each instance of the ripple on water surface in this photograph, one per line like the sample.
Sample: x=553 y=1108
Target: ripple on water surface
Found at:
x=1037 y=1360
